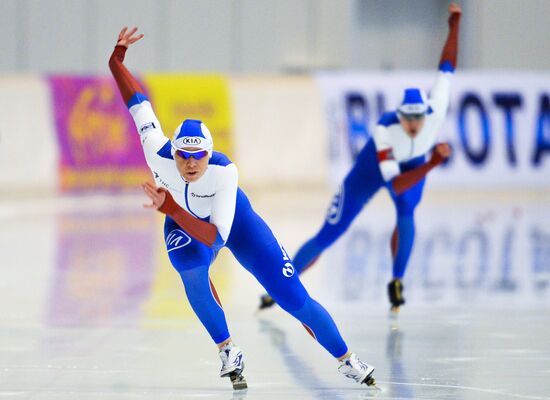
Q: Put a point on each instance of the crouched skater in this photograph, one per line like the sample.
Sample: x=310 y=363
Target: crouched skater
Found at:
x=205 y=211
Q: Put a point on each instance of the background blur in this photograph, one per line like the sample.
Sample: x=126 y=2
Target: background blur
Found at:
x=264 y=36
x=290 y=90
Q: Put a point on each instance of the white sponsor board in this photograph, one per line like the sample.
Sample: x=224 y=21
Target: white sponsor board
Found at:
x=498 y=123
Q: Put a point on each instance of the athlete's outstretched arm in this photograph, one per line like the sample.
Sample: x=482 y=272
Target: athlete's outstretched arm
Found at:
x=127 y=84
x=147 y=124
x=410 y=178
x=163 y=201
x=441 y=91
x=447 y=62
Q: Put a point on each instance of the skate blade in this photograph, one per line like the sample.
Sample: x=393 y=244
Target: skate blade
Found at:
x=370 y=381
x=266 y=302
x=394 y=312
x=238 y=381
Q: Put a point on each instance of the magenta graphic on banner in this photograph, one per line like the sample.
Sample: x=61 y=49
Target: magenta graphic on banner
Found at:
x=99 y=145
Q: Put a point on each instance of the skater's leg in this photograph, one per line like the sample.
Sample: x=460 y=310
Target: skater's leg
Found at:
x=343 y=209
x=402 y=240
x=321 y=327
x=192 y=260
x=402 y=243
x=275 y=272
x=205 y=303
x=405 y=238
x=256 y=248
x=341 y=214
x=345 y=206
x=404 y=233
x=308 y=254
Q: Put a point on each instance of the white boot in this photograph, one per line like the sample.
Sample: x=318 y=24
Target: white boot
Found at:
x=352 y=367
x=232 y=360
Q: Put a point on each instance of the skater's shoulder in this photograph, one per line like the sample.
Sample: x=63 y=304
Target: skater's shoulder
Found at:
x=166 y=151
x=219 y=159
x=388 y=119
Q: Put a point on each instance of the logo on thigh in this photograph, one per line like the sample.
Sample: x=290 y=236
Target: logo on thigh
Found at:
x=288 y=270
x=334 y=212
x=177 y=239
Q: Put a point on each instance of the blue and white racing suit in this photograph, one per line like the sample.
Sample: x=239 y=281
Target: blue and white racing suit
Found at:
x=390 y=152
x=215 y=197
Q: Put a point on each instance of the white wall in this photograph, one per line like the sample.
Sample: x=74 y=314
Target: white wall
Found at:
x=279 y=130
x=395 y=34
x=28 y=143
x=508 y=34
x=270 y=36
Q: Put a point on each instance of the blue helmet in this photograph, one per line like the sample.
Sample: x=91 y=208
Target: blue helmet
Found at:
x=414 y=102
x=192 y=133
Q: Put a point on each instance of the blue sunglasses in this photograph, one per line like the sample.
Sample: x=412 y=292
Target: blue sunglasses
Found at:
x=197 y=155
x=413 y=117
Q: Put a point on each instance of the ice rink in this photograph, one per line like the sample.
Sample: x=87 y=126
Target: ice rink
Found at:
x=91 y=309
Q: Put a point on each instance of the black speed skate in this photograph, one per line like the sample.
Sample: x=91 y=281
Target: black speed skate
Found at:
x=395 y=293
x=266 y=301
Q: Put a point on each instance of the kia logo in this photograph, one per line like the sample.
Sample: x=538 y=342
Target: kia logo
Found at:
x=189 y=140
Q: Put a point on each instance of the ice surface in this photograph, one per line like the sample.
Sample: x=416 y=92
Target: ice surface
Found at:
x=90 y=307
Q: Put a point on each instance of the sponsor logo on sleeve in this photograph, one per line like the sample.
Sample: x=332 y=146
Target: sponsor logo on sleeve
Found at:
x=146 y=127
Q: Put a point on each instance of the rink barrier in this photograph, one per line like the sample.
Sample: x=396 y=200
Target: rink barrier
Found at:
x=288 y=130
x=498 y=123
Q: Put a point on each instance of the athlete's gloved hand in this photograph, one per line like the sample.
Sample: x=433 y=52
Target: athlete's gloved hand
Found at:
x=454 y=13
x=158 y=196
x=161 y=199
x=126 y=38
x=441 y=152
x=203 y=231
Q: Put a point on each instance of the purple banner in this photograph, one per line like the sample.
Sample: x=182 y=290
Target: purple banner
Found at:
x=99 y=145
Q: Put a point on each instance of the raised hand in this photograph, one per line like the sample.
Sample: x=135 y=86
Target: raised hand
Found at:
x=454 y=9
x=126 y=38
x=157 y=196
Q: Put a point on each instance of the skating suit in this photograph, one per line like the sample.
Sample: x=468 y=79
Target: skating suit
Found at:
x=389 y=152
x=216 y=198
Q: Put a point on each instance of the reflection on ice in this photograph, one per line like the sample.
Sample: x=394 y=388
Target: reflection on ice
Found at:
x=91 y=308
x=103 y=269
x=481 y=254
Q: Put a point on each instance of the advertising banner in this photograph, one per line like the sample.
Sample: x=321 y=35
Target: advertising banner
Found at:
x=177 y=97
x=99 y=147
x=498 y=124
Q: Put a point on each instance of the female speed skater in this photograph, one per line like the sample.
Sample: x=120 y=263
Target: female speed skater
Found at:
x=197 y=188
x=395 y=158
